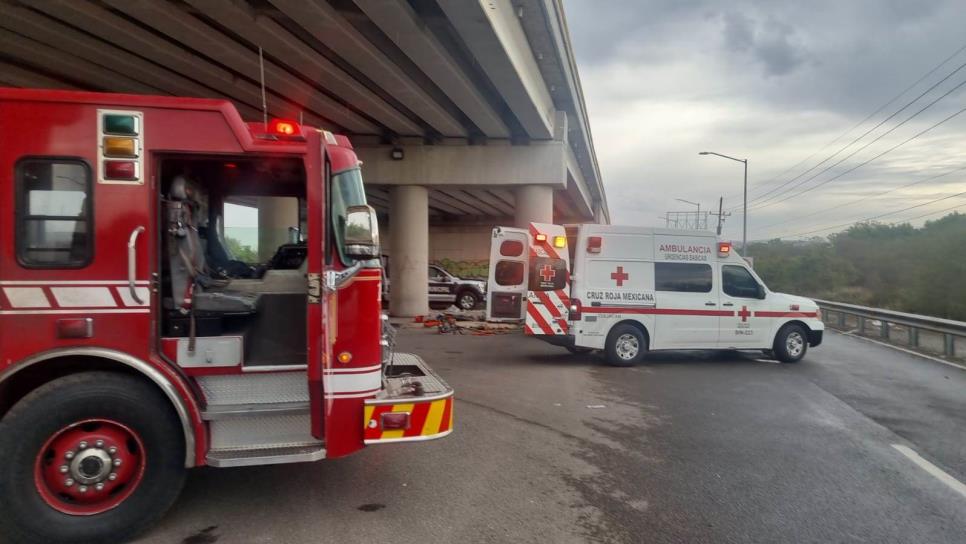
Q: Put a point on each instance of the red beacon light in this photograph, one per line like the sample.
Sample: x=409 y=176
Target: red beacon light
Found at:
x=541 y=237
x=284 y=127
x=724 y=249
x=594 y=244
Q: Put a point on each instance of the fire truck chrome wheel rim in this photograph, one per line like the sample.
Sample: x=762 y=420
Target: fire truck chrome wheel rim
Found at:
x=795 y=344
x=89 y=467
x=627 y=346
x=467 y=302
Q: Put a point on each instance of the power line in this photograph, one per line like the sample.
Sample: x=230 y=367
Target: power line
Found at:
x=864 y=198
x=764 y=204
x=761 y=198
x=861 y=164
x=873 y=218
x=860 y=123
x=908 y=219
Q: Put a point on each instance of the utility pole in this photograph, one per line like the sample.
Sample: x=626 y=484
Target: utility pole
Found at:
x=721 y=214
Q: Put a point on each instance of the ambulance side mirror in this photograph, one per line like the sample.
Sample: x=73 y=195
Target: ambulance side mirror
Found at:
x=361 y=232
x=761 y=292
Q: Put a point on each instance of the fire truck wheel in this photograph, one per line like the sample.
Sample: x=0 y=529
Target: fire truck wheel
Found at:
x=626 y=345
x=90 y=457
x=791 y=343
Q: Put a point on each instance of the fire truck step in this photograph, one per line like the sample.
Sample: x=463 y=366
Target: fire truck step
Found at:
x=226 y=411
x=292 y=453
x=259 y=430
x=255 y=388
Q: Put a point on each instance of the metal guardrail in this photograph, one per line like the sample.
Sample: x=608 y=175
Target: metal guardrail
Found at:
x=889 y=323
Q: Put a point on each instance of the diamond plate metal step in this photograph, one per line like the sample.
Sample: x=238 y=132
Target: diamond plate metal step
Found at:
x=226 y=411
x=254 y=388
x=261 y=430
x=292 y=453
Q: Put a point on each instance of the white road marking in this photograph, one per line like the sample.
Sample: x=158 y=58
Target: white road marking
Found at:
x=932 y=469
x=902 y=349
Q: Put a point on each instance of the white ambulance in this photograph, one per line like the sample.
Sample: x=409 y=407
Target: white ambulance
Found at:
x=634 y=289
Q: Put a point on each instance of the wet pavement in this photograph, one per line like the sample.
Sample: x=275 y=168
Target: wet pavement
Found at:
x=685 y=447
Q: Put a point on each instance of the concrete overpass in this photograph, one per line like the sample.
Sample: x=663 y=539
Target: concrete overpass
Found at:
x=466 y=113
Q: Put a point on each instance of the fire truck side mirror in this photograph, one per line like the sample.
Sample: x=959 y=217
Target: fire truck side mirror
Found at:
x=361 y=232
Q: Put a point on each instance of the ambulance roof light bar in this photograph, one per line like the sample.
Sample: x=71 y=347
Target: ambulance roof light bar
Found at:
x=540 y=237
x=724 y=249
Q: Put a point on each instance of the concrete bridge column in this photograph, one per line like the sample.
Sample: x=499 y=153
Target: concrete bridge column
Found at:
x=409 y=243
x=275 y=216
x=534 y=205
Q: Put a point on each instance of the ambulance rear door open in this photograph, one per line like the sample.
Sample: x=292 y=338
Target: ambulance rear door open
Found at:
x=548 y=297
x=506 y=298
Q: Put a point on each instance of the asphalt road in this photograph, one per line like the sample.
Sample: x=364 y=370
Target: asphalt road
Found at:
x=687 y=447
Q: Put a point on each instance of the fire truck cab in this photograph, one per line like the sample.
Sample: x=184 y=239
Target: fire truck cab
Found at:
x=134 y=342
x=626 y=290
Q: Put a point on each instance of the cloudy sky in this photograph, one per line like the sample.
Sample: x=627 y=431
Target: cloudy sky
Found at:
x=785 y=84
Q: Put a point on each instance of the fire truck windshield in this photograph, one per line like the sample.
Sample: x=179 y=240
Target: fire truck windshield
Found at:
x=347 y=190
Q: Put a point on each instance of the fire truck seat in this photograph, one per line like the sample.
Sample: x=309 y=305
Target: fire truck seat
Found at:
x=192 y=286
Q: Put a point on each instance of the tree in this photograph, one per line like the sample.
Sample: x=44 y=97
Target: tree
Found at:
x=900 y=267
x=241 y=252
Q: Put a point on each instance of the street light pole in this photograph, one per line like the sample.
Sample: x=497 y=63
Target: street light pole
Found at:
x=744 y=213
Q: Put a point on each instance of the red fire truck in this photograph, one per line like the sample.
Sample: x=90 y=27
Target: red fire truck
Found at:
x=133 y=342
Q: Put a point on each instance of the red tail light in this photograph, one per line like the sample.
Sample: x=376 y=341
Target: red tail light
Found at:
x=575 y=309
x=395 y=421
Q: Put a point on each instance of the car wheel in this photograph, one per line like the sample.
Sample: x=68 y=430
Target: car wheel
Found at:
x=625 y=346
x=467 y=300
x=791 y=343
x=90 y=457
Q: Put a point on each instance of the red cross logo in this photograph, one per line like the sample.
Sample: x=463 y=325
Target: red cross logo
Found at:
x=744 y=313
x=620 y=276
x=547 y=273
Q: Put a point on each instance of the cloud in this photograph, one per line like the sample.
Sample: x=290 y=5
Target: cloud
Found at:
x=770 y=42
x=776 y=82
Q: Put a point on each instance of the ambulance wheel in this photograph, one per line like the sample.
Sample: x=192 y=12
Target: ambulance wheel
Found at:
x=791 y=343
x=90 y=457
x=626 y=345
